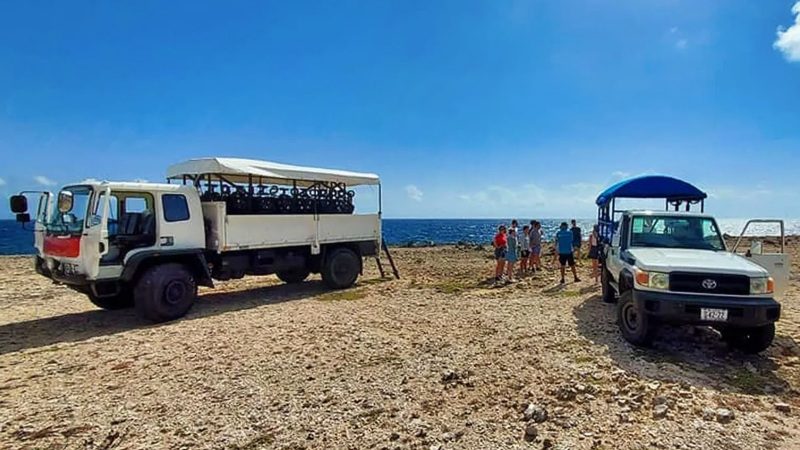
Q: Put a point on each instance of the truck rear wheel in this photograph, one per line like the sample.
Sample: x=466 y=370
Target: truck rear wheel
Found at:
x=294 y=275
x=608 y=295
x=120 y=301
x=341 y=268
x=165 y=292
x=636 y=327
x=750 y=340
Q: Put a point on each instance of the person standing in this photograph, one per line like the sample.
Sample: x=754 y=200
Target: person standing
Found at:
x=564 y=246
x=511 y=253
x=594 y=252
x=536 y=245
x=524 y=248
x=577 y=239
x=500 y=244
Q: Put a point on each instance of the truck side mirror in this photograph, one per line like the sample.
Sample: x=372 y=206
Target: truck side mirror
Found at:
x=19 y=204
x=23 y=217
x=65 y=201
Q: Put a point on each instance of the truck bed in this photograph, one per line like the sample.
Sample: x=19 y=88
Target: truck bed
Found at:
x=225 y=232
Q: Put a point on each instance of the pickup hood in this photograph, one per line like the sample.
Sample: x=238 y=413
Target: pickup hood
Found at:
x=689 y=260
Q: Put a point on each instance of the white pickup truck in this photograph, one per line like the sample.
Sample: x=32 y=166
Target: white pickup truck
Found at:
x=674 y=267
x=150 y=245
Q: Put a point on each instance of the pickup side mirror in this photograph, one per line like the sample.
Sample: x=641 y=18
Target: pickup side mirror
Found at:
x=19 y=204
x=23 y=217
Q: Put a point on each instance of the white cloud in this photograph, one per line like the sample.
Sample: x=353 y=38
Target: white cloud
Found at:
x=788 y=41
x=414 y=193
x=43 y=180
x=2 y=182
x=681 y=44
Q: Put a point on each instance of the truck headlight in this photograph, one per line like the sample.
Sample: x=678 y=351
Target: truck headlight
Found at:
x=762 y=285
x=653 y=280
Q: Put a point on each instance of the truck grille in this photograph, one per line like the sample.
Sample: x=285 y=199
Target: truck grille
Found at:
x=709 y=283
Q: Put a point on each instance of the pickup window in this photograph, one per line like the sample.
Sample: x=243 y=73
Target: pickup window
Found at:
x=699 y=233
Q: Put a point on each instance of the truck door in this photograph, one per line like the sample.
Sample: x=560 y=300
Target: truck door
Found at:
x=95 y=239
x=775 y=260
x=39 y=224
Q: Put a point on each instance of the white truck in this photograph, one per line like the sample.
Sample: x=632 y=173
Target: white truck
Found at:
x=150 y=245
x=674 y=266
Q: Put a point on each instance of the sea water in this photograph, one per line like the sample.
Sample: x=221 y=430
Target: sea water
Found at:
x=16 y=240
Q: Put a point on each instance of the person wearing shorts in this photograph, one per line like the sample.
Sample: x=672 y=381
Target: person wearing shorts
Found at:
x=564 y=247
x=512 y=253
x=525 y=248
x=594 y=253
x=500 y=244
x=577 y=238
x=536 y=245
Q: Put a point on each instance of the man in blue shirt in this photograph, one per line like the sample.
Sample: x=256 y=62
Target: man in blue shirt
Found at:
x=564 y=248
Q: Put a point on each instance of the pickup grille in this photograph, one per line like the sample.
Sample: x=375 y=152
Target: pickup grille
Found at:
x=702 y=283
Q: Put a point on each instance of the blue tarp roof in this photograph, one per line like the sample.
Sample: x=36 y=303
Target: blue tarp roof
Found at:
x=651 y=186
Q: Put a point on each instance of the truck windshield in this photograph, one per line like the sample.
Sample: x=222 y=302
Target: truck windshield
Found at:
x=676 y=232
x=72 y=221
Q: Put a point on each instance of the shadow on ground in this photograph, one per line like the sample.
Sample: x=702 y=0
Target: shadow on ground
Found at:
x=94 y=323
x=694 y=355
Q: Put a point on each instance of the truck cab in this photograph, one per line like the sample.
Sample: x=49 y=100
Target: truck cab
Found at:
x=674 y=266
x=93 y=235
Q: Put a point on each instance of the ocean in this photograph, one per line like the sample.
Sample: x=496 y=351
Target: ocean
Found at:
x=14 y=240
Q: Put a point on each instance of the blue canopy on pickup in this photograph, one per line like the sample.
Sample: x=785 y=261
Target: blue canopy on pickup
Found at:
x=652 y=186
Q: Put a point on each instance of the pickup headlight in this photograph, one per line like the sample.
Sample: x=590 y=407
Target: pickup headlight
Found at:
x=653 y=280
x=762 y=285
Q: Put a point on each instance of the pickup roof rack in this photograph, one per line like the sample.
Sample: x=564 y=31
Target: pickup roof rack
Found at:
x=675 y=192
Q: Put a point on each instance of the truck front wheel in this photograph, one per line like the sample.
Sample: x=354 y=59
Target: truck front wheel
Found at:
x=636 y=327
x=165 y=292
x=750 y=340
x=341 y=268
x=120 y=301
x=608 y=294
x=293 y=275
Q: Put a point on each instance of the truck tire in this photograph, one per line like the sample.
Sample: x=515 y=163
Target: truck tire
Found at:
x=750 y=340
x=636 y=327
x=122 y=300
x=608 y=294
x=294 y=275
x=165 y=292
x=341 y=268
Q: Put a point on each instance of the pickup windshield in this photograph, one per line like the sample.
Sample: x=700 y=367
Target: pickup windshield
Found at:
x=72 y=221
x=676 y=232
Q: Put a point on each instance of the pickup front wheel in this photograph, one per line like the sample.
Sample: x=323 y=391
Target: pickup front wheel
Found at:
x=750 y=340
x=635 y=325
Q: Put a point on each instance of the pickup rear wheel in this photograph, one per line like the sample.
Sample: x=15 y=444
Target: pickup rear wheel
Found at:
x=750 y=340
x=608 y=295
x=293 y=275
x=341 y=268
x=635 y=325
x=165 y=292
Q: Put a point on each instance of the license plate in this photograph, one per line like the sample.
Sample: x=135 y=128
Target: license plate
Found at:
x=714 y=315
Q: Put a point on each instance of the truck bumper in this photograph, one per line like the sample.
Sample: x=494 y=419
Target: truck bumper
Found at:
x=683 y=308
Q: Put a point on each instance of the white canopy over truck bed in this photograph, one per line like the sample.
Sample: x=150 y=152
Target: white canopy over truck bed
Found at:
x=228 y=231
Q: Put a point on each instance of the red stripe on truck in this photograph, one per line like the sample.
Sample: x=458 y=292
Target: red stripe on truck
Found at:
x=65 y=246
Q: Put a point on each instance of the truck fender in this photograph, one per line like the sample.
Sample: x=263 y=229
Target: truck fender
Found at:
x=625 y=280
x=194 y=259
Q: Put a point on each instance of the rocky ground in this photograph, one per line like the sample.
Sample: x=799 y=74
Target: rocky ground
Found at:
x=437 y=360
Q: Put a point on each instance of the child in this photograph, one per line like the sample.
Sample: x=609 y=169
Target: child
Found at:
x=511 y=254
x=500 y=244
x=525 y=249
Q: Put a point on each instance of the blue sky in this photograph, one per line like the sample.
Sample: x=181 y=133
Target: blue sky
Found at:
x=466 y=109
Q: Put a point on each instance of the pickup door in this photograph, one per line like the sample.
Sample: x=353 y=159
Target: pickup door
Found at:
x=777 y=263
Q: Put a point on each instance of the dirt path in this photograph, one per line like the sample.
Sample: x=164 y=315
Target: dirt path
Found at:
x=436 y=360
